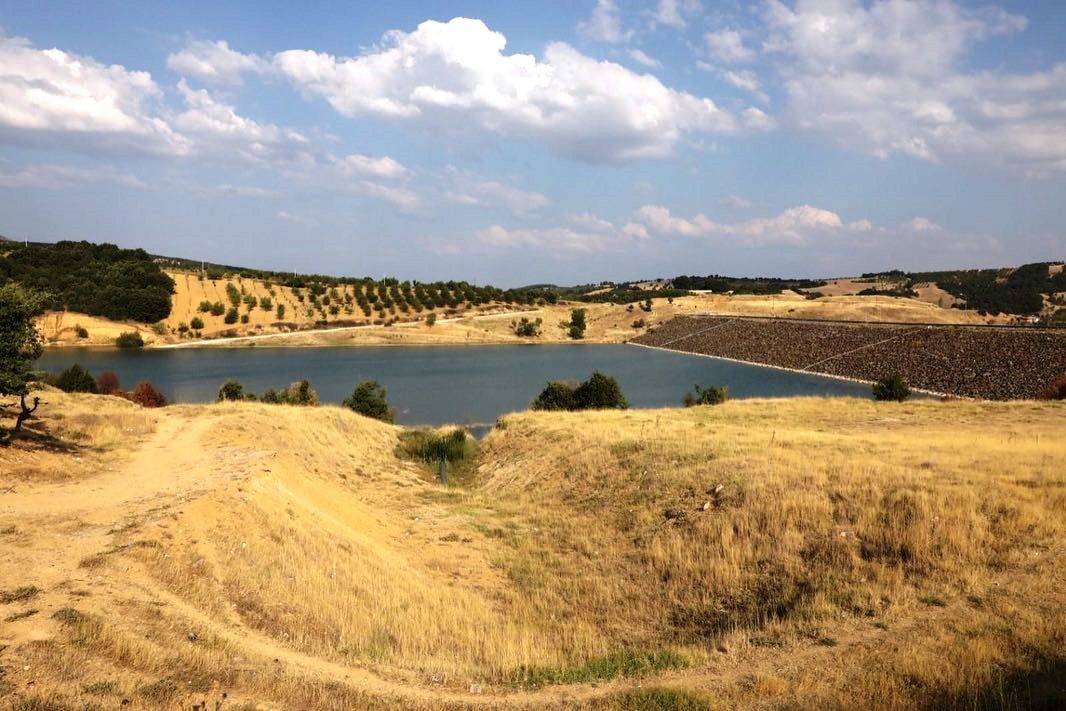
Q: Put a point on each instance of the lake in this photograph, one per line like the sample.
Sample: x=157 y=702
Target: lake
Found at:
x=444 y=384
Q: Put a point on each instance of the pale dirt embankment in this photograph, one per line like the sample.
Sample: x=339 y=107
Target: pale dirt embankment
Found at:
x=805 y=553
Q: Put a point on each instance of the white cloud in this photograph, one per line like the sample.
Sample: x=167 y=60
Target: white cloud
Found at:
x=58 y=177
x=635 y=229
x=290 y=217
x=456 y=76
x=891 y=78
x=399 y=196
x=792 y=226
x=922 y=224
x=465 y=188
x=215 y=63
x=588 y=221
x=728 y=46
x=53 y=98
x=641 y=57
x=374 y=167
x=553 y=238
x=219 y=131
x=673 y=12
x=604 y=24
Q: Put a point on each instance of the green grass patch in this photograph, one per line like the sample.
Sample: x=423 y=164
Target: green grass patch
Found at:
x=658 y=699
x=626 y=663
x=101 y=688
x=20 y=615
x=428 y=446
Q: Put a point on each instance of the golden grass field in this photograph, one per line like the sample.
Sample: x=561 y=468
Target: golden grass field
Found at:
x=608 y=323
x=803 y=553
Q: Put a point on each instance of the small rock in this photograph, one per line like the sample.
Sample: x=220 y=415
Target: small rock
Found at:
x=475 y=688
x=718 y=489
x=706 y=505
x=192 y=637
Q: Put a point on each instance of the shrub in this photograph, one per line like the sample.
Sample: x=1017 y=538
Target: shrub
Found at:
x=146 y=395
x=431 y=318
x=266 y=303
x=233 y=294
x=204 y=307
x=244 y=318
x=159 y=328
x=526 y=328
x=280 y=313
x=217 y=309
x=183 y=328
x=1055 y=391
x=107 y=383
x=75 y=379
x=891 y=388
x=197 y=323
x=712 y=395
x=130 y=339
x=640 y=323
x=599 y=392
x=231 y=316
x=368 y=399
x=272 y=397
x=231 y=390
x=301 y=393
x=80 y=331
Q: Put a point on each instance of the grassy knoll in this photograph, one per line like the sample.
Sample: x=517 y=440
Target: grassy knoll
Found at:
x=797 y=553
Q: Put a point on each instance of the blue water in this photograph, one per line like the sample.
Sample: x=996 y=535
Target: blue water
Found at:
x=437 y=385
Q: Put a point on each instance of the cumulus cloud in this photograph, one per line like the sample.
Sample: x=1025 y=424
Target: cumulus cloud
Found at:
x=891 y=78
x=673 y=12
x=792 y=226
x=728 y=46
x=51 y=97
x=375 y=167
x=215 y=63
x=456 y=75
x=604 y=24
x=922 y=224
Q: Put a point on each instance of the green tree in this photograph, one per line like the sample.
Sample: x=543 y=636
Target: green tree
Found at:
x=129 y=339
x=711 y=395
x=231 y=391
x=556 y=395
x=431 y=318
x=280 y=313
x=891 y=388
x=369 y=399
x=20 y=346
x=576 y=325
x=75 y=379
x=231 y=316
x=599 y=392
x=197 y=323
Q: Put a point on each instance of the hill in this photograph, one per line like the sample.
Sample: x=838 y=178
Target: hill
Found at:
x=802 y=553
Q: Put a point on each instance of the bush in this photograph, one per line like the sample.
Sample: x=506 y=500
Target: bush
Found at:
x=197 y=323
x=231 y=316
x=280 y=313
x=75 y=379
x=599 y=392
x=266 y=303
x=431 y=318
x=640 y=323
x=368 y=399
x=1055 y=391
x=217 y=309
x=231 y=390
x=712 y=395
x=146 y=395
x=526 y=328
x=80 y=331
x=301 y=393
x=130 y=339
x=107 y=383
x=244 y=318
x=205 y=307
x=892 y=388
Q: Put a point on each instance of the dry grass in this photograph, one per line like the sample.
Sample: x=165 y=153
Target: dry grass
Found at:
x=799 y=553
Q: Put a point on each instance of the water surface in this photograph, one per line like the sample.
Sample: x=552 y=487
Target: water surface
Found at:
x=444 y=384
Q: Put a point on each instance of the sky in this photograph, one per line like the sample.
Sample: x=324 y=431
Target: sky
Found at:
x=516 y=142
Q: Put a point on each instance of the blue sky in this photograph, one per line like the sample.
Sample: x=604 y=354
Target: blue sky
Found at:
x=566 y=142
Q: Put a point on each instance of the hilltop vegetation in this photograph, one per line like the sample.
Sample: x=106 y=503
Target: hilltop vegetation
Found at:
x=802 y=554
x=95 y=279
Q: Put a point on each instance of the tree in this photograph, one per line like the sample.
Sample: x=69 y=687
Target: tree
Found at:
x=217 y=309
x=197 y=323
x=231 y=316
x=576 y=325
x=711 y=395
x=526 y=328
x=75 y=379
x=146 y=395
x=129 y=339
x=431 y=318
x=301 y=393
x=368 y=399
x=107 y=383
x=891 y=388
x=280 y=313
x=599 y=392
x=231 y=390
x=557 y=395
x=20 y=345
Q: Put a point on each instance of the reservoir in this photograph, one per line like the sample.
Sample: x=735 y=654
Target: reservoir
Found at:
x=470 y=385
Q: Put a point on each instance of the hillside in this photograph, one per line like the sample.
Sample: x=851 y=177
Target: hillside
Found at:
x=802 y=553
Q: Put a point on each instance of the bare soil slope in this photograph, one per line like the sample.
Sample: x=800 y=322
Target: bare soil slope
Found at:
x=804 y=553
